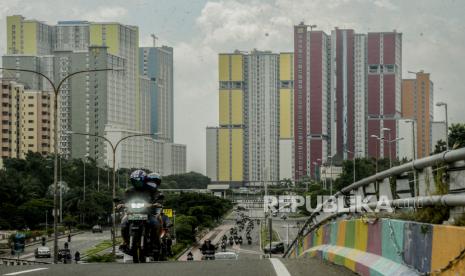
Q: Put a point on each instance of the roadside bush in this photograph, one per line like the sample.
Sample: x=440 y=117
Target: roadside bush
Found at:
x=105 y=258
x=178 y=248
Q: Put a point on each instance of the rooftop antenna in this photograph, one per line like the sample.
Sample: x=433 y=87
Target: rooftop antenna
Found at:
x=154 y=37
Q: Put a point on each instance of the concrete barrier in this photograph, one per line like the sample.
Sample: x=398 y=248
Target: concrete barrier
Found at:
x=387 y=247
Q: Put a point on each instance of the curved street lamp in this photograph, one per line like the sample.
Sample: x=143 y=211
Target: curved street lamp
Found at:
x=377 y=149
x=447 y=123
x=113 y=148
x=56 y=91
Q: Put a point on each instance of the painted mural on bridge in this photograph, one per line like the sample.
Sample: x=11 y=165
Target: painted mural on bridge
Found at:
x=387 y=247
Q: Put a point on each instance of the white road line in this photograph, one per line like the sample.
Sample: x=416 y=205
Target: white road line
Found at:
x=25 y=271
x=279 y=267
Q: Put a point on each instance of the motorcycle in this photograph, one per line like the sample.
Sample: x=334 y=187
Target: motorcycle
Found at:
x=141 y=243
x=249 y=240
x=208 y=254
x=231 y=241
x=240 y=240
x=223 y=246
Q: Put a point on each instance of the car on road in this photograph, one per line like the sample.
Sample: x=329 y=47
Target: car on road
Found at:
x=97 y=229
x=226 y=256
x=276 y=248
x=42 y=252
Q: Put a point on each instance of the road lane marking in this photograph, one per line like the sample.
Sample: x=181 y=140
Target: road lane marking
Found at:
x=279 y=267
x=25 y=271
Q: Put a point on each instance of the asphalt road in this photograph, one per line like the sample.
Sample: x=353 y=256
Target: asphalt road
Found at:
x=279 y=267
x=250 y=262
x=80 y=242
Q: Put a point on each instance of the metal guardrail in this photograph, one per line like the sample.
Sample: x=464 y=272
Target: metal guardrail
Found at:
x=14 y=262
x=315 y=219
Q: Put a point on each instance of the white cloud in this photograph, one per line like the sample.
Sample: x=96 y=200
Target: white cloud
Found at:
x=103 y=13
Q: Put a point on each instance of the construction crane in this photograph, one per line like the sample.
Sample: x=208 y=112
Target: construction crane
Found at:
x=154 y=37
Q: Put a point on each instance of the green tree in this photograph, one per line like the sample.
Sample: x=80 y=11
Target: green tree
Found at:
x=440 y=147
x=457 y=136
x=190 y=180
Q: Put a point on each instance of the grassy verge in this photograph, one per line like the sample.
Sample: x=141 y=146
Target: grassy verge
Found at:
x=100 y=247
x=265 y=236
x=178 y=249
x=105 y=258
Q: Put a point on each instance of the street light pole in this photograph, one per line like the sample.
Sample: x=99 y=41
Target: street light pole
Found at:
x=389 y=141
x=414 y=157
x=56 y=91
x=114 y=147
x=377 y=150
x=331 y=175
x=447 y=123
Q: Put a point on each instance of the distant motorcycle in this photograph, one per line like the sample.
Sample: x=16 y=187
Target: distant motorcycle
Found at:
x=208 y=255
x=223 y=246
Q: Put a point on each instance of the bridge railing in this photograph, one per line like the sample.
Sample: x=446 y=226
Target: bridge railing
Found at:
x=14 y=262
x=395 y=188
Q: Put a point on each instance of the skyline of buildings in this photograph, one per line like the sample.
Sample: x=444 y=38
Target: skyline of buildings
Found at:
x=285 y=111
x=343 y=101
x=347 y=88
x=117 y=101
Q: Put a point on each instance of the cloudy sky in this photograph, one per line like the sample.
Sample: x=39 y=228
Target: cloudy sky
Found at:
x=433 y=40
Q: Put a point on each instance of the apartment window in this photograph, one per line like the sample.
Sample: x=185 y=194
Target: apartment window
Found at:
x=389 y=68
x=30 y=129
x=31 y=145
x=30 y=105
x=30 y=113
x=373 y=69
x=30 y=121
x=30 y=137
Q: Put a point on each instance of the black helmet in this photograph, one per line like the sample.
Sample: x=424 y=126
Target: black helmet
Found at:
x=153 y=180
x=138 y=178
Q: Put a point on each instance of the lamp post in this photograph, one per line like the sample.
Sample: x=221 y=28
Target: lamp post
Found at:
x=113 y=148
x=56 y=91
x=353 y=161
x=447 y=122
x=377 y=150
x=330 y=175
x=390 y=142
x=414 y=155
x=389 y=139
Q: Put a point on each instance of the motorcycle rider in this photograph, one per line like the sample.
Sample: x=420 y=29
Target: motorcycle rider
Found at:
x=207 y=246
x=145 y=187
